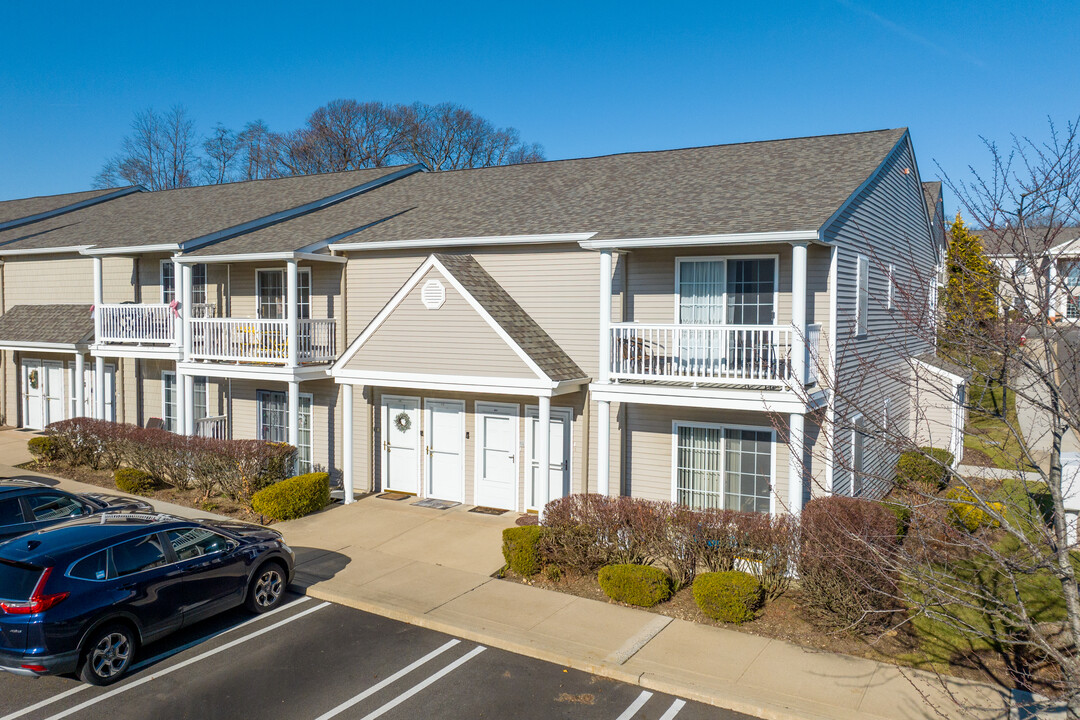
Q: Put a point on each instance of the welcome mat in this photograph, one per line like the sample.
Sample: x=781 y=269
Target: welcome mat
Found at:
x=487 y=510
x=394 y=496
x=436 y=504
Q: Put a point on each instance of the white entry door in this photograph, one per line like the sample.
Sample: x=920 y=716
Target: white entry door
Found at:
x=444 y=445
x=496 y=455
x=401 y=444
x=53 y=390
x=559 y=469
x=33 y=382
x=88 y=392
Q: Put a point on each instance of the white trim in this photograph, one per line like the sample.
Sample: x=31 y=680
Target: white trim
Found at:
x=267 y=373
x=130 y=249
x=567 y=415
x=720 y=239
x=384 y=416
x=261 y=257
x=146 y=352
x=161 y=279
x=460 y=383
x=710 y=398
x=480 y=409
x=176 y=400
x=425 y=458
x=855 y=420
x=676 y=424
x=831 y=344
x=310 y=397
x=862 y=326
x=44 y=251
x=65 y=348
x=479 y=241
x=956 y=379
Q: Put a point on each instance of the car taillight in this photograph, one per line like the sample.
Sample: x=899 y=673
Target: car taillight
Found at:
x=38 y=602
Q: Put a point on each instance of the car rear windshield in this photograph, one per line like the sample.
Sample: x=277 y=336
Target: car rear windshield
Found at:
x=17 y=580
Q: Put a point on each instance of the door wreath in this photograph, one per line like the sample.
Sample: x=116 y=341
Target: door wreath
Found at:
x=34 y=379
x=402 y=421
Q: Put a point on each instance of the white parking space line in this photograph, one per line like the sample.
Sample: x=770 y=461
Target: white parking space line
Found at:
x=387 y=681
x=673 y=710
x=423 y=684
x=43 y=703
x=636 y=705
x=185 y=663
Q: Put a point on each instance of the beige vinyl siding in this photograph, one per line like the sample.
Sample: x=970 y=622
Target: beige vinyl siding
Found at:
x=887 y=223
x=49 y=279
x=933 y=409
x=451 y=340
x=243 y=300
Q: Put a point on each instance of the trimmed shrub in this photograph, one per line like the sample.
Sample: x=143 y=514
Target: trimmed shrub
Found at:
x=589 y=531
x=924 y=469
x=521 y=548
x=844 y=561
x=134 y=481
x=640 y=585
x=966 y=512
x=293 y=497
x=44 y=448
x=674 y=543
x=731 y=596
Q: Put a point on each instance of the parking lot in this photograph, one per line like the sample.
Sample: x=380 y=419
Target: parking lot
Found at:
x=316 y=660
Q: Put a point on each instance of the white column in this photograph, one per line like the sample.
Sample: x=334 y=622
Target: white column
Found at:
x=99 y=388
x=347 y=442
x=1054 y=297
x=178 y=321
x=796 y=467
x=294 y=417
x=181 y=402
x=292 y=284
x=80 y=385
x=188 y=401
x=99 y=294
x=605 y=316
x=185 y=297
x=543 y=450
x=603 y=447
x=798 y=314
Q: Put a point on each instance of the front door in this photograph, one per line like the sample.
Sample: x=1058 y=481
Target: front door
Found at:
x=496 y=455
x=32 y=387
x=401 y=444
x=559 y=468
x=444 y=425
x=53 y=391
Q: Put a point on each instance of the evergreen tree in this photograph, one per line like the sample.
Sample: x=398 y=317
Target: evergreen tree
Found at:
x=970 y=305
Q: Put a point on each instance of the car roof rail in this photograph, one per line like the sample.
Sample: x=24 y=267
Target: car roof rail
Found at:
x=152 y=517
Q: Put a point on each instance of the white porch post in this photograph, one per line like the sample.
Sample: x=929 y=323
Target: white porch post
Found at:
x=347 y=442
x=605 y=316
x=294 y=419
x=292 y=283
x=795 y=462
x=603 y=447
x=178 y=321
x=185 y=295
x=798 y=314
x=99 y=388
x=181 y=402
x=80 y=385
x=188 y=403
x=99 y=295
x=543 y=450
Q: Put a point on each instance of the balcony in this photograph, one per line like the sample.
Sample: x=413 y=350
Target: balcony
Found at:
x=129 y=323
x=751 y=355
x=261 y=341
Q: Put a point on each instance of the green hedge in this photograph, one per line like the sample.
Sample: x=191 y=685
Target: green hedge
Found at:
x=44 y=448
x=966 y=512
x=521 y=548
x=635 y=584
x=924 y=469
x=293 y=497
x=903 y=517
x=730 y=596
x=136 y=482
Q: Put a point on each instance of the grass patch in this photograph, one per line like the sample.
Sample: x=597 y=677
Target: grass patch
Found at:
x=988 y=431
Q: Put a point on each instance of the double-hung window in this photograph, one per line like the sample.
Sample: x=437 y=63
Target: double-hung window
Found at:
x=270 y=287
x=169 y=284
x=723 y=467
x=273 y=413
x=168 y=281
x=170 y=398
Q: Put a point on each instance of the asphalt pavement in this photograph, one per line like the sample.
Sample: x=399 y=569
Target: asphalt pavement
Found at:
x=314 y=660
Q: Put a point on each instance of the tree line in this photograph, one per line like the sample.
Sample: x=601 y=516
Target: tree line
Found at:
x=163 y=149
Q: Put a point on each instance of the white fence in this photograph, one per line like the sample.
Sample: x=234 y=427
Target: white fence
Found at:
x=215 y=426
x=131 y=323
x=239 y=340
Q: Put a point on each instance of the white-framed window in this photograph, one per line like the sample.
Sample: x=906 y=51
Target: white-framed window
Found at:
x=1071 y=274
x=270 y=289
x=890 y=280
x=862 y=294
x=732 y=290
x=858 y=455
x=198 y=284
x=718 y=466
x=169 y=400
x=202 y=398
x=168 y=281
x=272 y=410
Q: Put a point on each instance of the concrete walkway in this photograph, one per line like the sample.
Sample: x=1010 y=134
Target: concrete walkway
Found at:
x=1035 y=424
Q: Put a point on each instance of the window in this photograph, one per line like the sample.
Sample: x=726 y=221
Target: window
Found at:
x=198 y=284
x=858 y=451
x=890 y=280
x=190 y=543
x=701 y=292
x=733 y=290
x=92 y=567
x=1071 y=272
x=862 y=300
x=750 y=290
x=168 y=281
x=303 y=455
x=137 y=555
x=723 y=467
x=273 y=413
x=168 y=400
x=202 y=398
x=10 y=512
x=270 y=287
x=52 y=506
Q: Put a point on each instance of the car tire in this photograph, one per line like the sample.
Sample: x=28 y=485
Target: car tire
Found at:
x=267 y=588
x=109 y=654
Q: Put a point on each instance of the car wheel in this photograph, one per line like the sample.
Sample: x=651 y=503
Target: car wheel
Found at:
x=109 y=654
x=267 y=588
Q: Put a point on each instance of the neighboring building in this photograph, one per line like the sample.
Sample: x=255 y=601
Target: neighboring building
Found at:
x=693 y=325
x=1050 y=254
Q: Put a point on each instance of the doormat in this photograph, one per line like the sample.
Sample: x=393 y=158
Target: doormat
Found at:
x=487 y=511
x=394 y=496
x=436 y=504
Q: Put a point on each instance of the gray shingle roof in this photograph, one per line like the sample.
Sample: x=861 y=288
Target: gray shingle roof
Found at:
x=1006 y=241
x=176 y=216
x=60 y=324
x=932 y=192
x=934 y=360
x=512 y=318
x=26 y=207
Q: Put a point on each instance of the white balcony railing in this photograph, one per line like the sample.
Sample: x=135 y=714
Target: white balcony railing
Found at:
x=260 y=341
x=727 y=354
x=134 y=323
x=215 y=426
x=813 y=352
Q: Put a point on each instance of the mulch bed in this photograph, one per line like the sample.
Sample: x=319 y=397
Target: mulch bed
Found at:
x=976 y=458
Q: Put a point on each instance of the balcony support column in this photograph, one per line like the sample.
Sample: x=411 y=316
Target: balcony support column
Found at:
x=347 y=442
x=292 y=286
x=603 y=447
x=294 y=420
x=185 y=297
x=178 y=321
x=99 y=388
x=605 y=316
x=798 y=314
x=80 y=384
x=188 y=403
x=543 y=451
x=796 y=466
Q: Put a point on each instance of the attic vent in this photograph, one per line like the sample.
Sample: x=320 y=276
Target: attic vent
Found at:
x=433 y=295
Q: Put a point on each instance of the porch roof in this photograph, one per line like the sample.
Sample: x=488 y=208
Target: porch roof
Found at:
x=47 y=325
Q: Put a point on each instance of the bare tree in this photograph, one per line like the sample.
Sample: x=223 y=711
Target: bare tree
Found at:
x=220 y=154
x=257 y=152
x=450 y=137
x=160 y=153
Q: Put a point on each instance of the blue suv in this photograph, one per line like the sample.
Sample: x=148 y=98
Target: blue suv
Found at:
x=84 y=596
x=28 y=505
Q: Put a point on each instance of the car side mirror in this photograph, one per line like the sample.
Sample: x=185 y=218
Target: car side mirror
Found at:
x=231 y=545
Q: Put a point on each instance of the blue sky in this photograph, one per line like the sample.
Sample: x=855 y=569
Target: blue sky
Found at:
x=580 y=78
